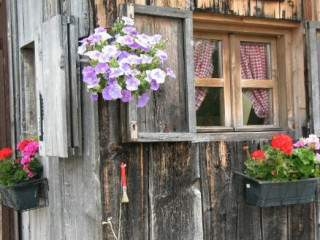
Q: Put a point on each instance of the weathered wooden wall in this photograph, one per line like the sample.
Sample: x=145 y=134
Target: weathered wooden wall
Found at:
x=257 y=8
x=7 y=230
x=188 y=190
x=311 y=10
x=74 y=210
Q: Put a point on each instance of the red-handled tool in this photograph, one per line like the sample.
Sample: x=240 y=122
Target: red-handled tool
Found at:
x=125 y=198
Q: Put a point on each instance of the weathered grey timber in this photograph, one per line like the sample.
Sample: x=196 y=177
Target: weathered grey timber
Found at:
x=171 y=108
x=181 y=184
x=314 y=67
x=74 y=210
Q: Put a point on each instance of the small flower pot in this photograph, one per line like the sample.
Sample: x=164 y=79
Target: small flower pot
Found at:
x=26 y=196
x=270 y=194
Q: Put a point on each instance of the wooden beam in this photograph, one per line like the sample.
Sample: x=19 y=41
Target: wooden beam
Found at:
x=235 y=20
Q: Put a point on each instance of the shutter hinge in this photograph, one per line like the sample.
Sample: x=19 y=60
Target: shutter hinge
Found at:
x=67 y=20
x=133 y=131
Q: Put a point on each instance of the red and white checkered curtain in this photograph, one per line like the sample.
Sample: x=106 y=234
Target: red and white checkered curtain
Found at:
x=254 y=66
x=203 y=66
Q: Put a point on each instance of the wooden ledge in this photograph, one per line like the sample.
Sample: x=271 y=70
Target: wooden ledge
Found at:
x=239 y=20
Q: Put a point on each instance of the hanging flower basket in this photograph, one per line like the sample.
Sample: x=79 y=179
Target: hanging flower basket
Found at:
x=21 y=185
x=26 y=196
x=270 y=194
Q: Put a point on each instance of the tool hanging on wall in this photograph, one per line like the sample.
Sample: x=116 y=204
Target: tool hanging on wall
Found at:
x=125 y=198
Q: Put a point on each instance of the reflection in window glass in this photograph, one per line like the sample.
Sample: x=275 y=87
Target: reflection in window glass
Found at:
x=211 y=111
x=257 y=106
x=255 y=60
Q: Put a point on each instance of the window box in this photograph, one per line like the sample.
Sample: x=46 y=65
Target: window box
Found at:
x=26 y=196
x=270 y=194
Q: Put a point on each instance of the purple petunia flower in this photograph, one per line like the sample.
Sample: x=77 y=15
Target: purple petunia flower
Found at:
x=94 y=38
x=134 y=46
x=93 y=54
x=154 y=85
x=156 y=74
x=99 y=30
x=128 y=21
x=155 y=39
x=101 y=68
x=145 y=58
x=125 y=67
x=112 y=81
x=94 y=96
x=115 y=91
x=104 y=58
x=105 y=36
x=142 y=40
x=171 y=73
x=126 y=96
x=125 y=40
x=130 y=31
x=84 y=40
x=91 y=79
x=88 y=69
x=105 y=93
x=161 y=55
x=132 y=83
x=82 y=48
x=143 y=100
x=115 y=72
x=123 y=55
x=111 y=50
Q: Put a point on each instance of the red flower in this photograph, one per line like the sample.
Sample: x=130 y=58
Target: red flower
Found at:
x=282 y=142
x=23 y=144
x=5 y=152
x=258 y=154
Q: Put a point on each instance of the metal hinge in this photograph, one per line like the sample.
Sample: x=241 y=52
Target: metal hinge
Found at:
x=68 y=20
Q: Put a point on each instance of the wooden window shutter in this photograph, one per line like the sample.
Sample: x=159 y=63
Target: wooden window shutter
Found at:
x=314 y=74
x=58 y=87
x=170 y=113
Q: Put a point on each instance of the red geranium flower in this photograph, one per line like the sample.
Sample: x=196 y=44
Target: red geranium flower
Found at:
x=23 y=144
x=282 y=142
x=5 y=152
x=258 y=154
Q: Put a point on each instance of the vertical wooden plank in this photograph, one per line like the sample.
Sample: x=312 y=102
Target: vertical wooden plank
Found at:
x=298 y=68
x=249 y=218
x=173 y=189
x=275 y=223
x=106 y=12
x=218 y=190
x=314 y=77
x=301 y=222
x=135 y=156
x=3 y=133
x=189 y=68
x=55 y=89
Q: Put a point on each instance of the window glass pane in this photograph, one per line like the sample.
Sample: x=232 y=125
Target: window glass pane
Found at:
x=211 y=111
x=257 y=106
x=255 y=60
x=207 y=58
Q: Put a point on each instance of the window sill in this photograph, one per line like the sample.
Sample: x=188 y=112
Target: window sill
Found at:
x=204 y=137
